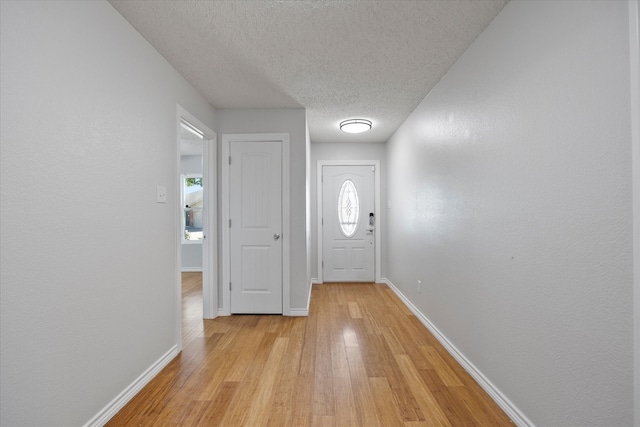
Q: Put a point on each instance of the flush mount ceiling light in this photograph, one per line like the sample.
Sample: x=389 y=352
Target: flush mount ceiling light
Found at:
x=355 y=125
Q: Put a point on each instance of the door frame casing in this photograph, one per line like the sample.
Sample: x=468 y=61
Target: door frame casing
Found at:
x=378 y=225
x=210 y=243
x=227 y=140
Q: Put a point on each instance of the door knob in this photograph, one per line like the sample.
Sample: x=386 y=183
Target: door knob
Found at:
x=276 y=236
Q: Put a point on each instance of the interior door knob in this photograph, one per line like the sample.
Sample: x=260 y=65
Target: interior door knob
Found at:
x=276 y=236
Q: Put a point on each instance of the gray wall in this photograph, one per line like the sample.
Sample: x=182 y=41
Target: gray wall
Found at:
x=88 y=114
x=511 y=200
x=293 y=122
x=347 y=151
x=191 y=257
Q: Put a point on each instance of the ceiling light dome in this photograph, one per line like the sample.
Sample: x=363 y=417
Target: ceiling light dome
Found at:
x=355 y=125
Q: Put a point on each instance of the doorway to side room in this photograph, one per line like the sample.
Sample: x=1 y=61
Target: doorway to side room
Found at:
x=196 y=224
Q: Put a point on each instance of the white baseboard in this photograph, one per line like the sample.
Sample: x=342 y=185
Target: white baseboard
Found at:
x=191 y=269
x=316 y=281
x=102 y=417
x=507 y=406
x=302 y=311
x=293 y=312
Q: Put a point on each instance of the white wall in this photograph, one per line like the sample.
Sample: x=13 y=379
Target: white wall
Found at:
x=346 y=151
x=88 y=130
x=634 y=47
x=191 y=257
x=291 y=121
x=308 y=203
x=511 y=191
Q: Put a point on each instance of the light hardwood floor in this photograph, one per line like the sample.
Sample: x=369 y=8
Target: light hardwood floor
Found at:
x=361 y=358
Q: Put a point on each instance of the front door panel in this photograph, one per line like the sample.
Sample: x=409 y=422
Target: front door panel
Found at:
x=348 y=227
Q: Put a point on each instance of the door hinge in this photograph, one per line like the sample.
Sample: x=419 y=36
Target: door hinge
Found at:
x=373 y=168
x=229 y=285
x=229 y=223
x=322 y=264
x=229 y=159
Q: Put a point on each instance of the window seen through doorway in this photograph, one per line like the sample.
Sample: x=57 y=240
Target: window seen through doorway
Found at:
x=192 y=208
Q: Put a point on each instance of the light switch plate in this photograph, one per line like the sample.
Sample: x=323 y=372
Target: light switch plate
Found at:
x=161 y=196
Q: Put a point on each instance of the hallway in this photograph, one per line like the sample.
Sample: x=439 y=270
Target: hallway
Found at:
x=360 y=359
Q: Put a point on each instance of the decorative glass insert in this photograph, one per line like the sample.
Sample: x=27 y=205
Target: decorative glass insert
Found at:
x=348 y=208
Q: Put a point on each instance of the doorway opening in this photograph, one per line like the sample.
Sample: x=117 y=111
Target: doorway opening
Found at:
x=196 y=235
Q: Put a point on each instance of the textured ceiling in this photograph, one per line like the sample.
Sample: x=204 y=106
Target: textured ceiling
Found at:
x=338 y=59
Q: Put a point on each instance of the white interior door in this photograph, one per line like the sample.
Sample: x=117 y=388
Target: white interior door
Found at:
x=209 y=253
x=348 y=223
x=255 y=213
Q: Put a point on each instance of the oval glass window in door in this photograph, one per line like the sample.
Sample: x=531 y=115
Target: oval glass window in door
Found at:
x=348 y=208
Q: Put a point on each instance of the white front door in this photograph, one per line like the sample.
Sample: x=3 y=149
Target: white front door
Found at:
x=255 y=212
x=348 y=223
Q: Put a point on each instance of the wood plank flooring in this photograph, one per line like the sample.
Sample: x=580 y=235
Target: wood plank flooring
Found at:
x=361 y=358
